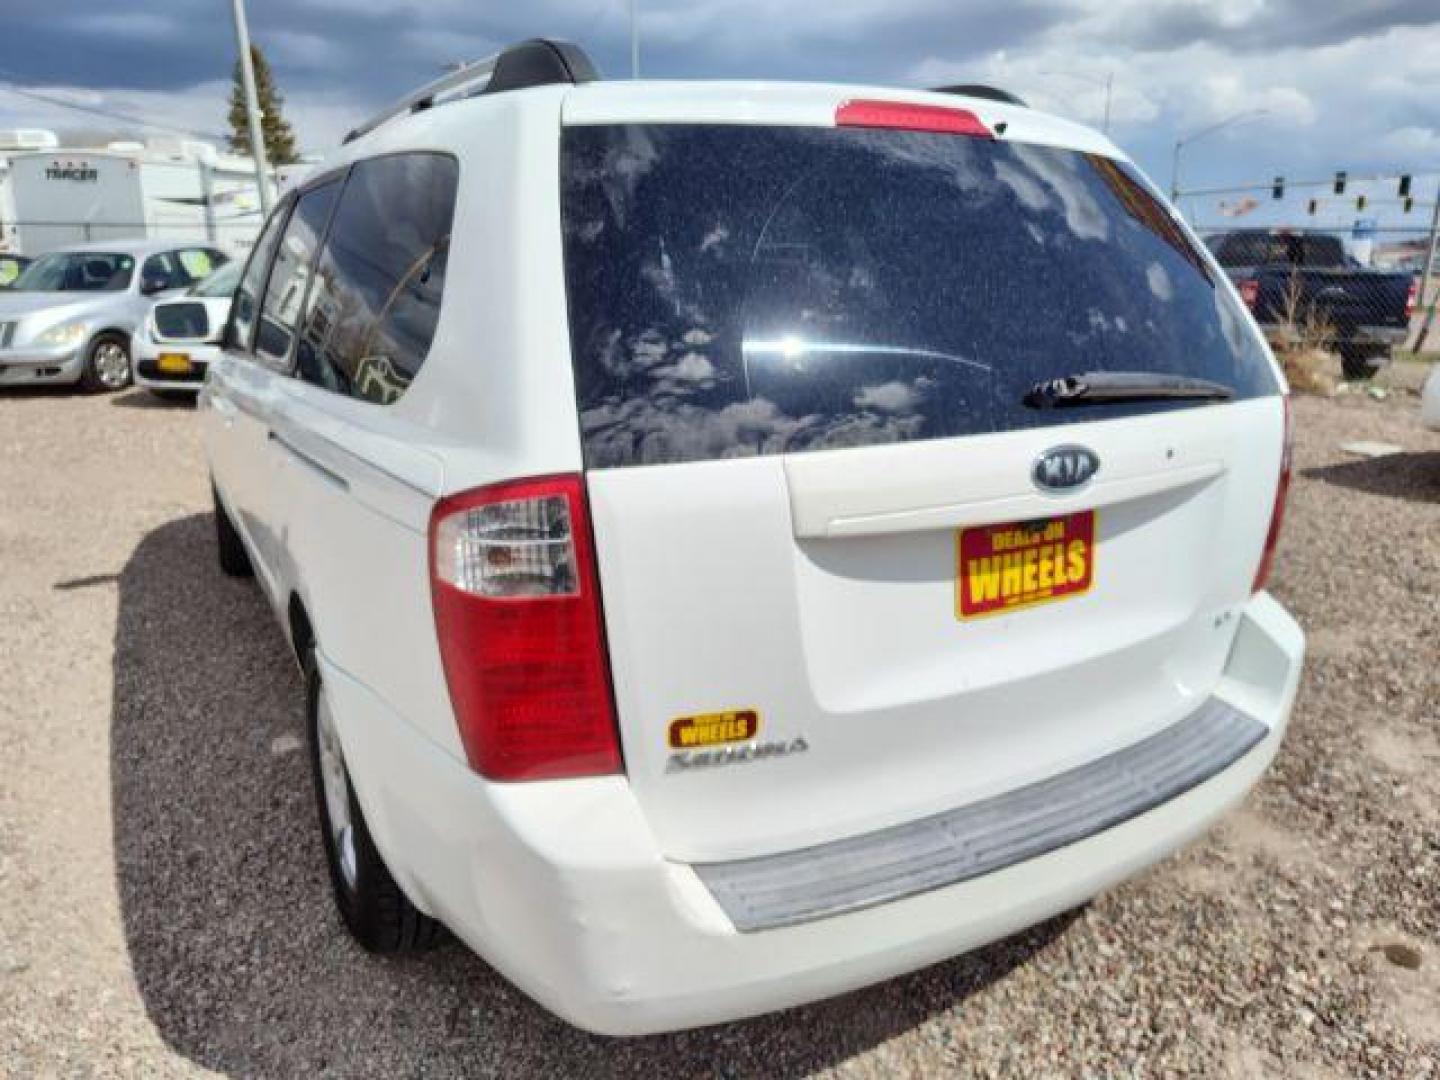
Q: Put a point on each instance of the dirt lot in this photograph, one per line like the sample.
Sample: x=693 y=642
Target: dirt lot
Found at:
x=163 y=907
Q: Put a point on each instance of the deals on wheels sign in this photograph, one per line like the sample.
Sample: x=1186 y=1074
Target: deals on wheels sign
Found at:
x=1008 y=567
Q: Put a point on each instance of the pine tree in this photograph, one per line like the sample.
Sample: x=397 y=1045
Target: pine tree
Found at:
x=279 y=137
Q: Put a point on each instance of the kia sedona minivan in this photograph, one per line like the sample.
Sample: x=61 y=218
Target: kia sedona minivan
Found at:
x=745 y=541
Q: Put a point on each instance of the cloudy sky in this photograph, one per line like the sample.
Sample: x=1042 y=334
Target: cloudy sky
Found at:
x=1351 y=84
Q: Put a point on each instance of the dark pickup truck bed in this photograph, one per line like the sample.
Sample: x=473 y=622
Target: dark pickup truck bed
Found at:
x=1368 y=311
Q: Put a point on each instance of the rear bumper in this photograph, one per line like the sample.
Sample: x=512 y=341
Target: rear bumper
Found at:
x=31 y=366
x=562 y=887
x=149 y=375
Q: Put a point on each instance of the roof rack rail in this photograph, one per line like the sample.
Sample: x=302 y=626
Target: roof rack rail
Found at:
x=980 y=90
x=537 y=62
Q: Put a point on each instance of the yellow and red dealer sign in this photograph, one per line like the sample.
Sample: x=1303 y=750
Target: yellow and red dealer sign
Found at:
x=1008 y=567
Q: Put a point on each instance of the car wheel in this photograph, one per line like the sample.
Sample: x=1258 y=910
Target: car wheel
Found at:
x=234 y=559
x=375 y=910
x=107 y=364
x=1359 y=365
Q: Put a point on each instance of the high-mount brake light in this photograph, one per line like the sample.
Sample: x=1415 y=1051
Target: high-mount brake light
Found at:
x=517 y=614
x=1277 y=512
x=905 y=117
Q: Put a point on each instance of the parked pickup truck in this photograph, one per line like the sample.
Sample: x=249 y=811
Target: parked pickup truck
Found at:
x=1289 y=279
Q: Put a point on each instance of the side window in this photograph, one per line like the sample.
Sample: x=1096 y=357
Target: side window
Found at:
x=160 y=272
x=247 y=294
x=285 y=291
x=197 y=264
x=372 y=313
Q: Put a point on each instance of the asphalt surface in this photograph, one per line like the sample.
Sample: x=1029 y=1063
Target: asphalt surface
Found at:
x=164 y=908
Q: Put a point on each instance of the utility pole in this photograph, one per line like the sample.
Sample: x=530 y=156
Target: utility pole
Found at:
x=1428 y=273
x=1247 y=114
x=634 y=39
x=252 y=105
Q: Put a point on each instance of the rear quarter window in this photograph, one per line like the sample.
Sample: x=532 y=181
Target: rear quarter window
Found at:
x=737 y=291
x=375 y=305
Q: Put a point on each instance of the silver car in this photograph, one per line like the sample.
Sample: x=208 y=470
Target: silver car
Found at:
x=70 y=314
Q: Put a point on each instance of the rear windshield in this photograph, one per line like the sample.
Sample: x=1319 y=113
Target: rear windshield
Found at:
x=1261 y=249
x=740 y=290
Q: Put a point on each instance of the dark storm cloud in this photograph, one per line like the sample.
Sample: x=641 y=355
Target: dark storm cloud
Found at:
x=371 y=52
x=1280 y=24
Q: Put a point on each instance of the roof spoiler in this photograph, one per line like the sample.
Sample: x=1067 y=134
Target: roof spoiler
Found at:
x=980 y=90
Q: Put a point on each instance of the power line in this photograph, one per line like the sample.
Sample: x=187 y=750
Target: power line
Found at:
x=95 y=110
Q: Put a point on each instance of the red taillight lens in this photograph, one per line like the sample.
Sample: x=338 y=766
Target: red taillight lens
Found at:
x=1249 y=290
x=1410 y=299
x=517 y=613
x=897 y=114
x=1277 y=514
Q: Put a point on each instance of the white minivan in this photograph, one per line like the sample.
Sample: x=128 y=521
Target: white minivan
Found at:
x=748 y=540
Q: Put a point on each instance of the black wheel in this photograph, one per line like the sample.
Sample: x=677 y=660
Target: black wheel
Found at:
x=375 y=910
x=1359 y=365
x=107 y=364
x=234 y=560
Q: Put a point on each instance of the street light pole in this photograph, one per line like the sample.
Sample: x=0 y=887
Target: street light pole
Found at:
x=252 y=104
x=634 y=40
x=1246 y=114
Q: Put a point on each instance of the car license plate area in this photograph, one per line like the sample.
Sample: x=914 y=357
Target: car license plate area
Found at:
x=1022 y=564
x=173 y=363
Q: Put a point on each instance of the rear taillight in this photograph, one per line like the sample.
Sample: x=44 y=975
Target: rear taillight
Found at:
x=899 y=115
x=517 y=613
x=1277 y=513
x=1249 y=290
x=1410 y=298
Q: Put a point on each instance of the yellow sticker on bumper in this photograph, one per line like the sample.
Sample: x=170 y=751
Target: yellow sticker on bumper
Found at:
x=712 y=729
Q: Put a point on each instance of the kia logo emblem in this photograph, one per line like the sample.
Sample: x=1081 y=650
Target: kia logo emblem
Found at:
x=1064 y=468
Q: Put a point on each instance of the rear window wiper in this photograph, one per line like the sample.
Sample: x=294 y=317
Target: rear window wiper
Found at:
x=1107 y=387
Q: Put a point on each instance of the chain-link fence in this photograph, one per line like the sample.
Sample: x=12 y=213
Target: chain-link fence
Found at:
x=1357 y=294
x=1345 y=265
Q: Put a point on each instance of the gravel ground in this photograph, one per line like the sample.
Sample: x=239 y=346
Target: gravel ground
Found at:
x=163 y=907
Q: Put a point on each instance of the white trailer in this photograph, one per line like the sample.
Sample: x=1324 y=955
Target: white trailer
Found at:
x=13 y=141
x=58 y=197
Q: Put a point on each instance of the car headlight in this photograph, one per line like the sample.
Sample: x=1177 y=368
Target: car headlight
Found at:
x=64 y=334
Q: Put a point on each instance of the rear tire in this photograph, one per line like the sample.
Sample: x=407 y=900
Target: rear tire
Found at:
x=1360 y=365
x=375 y=910
x=234 y=559
x=107 y=364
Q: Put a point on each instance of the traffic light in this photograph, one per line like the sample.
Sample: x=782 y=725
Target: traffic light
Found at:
x=1404 y=187
x=1339 y=183
x=1408 y=204
x=1277 y=190
x=1359 y=202
x=1313 y=204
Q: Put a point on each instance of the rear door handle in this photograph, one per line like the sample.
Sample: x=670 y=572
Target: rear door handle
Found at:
x=319 y=468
